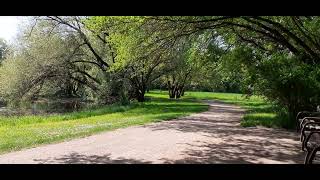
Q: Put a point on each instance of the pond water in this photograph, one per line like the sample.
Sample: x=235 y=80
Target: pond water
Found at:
x=45 y=106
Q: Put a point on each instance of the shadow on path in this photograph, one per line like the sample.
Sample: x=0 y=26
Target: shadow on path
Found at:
x=228 y=142
x=210 y=137
x=76 y=158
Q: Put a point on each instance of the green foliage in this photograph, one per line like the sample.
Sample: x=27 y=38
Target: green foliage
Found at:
x=280 y=58
x=285 y=80
x=139 y=58
x=51 y=61
x=25 y=73
x=112 y=59
x=220 y=71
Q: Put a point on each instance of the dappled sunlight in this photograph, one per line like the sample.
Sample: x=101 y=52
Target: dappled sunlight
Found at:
x=225 y=141
x=76 y=158
x=215 y=89
x=214 y=136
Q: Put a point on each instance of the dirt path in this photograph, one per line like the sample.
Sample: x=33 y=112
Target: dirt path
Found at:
x=214 y=136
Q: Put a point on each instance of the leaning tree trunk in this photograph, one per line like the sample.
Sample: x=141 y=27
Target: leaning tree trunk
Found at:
x=182 y=91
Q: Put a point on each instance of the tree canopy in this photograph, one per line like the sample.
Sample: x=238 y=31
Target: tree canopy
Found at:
x=110 y=59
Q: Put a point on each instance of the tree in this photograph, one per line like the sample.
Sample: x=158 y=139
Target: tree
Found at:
x=220 y=70
x=179 y=77
x=295 y=34
x=45 y=65
x=114 y=57
x=138 y=57
x=187 y=62
x=271 y=40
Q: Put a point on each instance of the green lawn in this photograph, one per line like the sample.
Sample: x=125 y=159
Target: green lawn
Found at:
x=28 y=131
x=259 y=111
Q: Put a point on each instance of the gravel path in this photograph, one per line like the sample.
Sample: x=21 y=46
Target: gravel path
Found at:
x=214 y=136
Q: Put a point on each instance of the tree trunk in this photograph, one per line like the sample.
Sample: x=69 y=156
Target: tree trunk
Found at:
x=171 y=92
x=182 y=92
x=293 y=111
x=140 y=96
x=177 y=92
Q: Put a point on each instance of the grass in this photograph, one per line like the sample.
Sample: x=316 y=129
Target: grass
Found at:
x=29 y=131
x=259 y=112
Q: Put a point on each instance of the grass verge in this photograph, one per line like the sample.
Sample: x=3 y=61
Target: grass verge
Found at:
x=20 y=132
x=29 y=131
x=259 y=112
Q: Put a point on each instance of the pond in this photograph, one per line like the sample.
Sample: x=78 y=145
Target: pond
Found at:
x=45 y=106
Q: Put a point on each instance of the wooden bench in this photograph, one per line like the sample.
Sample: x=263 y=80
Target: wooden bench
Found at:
x=307 y=132
x=312 y=146
x=311 y=158
x=310 y=137
x=308 y=123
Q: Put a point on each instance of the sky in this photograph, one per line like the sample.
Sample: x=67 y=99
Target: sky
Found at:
x=8 y=27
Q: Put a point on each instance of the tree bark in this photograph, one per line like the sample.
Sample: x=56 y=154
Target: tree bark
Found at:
x=177 y=93
x=140 y=95
x=171 y=93
x=182 y=92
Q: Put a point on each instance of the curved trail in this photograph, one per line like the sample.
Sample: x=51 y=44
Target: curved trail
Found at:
x=214 y=136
